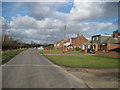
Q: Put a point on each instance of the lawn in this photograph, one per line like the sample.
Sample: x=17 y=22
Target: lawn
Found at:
x=91 y=61
x=10 y=54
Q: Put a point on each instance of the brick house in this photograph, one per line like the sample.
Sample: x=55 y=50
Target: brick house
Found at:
x=105 y=42
x=78 y=41
x=72 y=43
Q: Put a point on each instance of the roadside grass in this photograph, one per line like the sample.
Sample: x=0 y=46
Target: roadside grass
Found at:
x=57 y=52
x=7 y=55
x=90 y=61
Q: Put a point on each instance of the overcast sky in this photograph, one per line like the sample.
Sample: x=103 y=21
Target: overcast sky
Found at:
x=37 y=21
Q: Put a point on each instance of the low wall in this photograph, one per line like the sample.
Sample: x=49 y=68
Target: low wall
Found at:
x=108 y=54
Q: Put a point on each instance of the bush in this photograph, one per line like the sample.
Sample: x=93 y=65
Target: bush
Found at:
x=77 y=49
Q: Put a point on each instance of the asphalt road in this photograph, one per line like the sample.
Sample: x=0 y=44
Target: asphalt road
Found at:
x=30 y=69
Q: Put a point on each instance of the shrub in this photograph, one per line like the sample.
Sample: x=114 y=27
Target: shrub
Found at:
x=77 y=49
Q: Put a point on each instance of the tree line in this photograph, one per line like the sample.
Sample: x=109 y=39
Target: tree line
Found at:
x=8 y=43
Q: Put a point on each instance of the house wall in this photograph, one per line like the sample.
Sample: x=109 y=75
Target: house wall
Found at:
x=84 y=47
x=95 y=47
x=105 y=47
x=110 y=47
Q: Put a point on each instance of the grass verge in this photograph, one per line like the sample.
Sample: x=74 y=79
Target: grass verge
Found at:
x=7 y=55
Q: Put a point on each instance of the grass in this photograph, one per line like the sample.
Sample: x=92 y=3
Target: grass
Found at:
x=90 y=61
x=57 y=52
x=7 y=55
x=84 y=61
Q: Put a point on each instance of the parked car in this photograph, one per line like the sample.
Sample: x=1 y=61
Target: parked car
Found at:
x=90 y=51
x=47 y=49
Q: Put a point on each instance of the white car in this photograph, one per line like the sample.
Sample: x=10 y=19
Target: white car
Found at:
x=41 y=48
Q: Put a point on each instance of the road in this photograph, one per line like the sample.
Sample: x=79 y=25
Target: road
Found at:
x=30 y=69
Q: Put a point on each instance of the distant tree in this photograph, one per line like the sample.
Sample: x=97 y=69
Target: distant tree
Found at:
x=50 y=45
x=116 y=31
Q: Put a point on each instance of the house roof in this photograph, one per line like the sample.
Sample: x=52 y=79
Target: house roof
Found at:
x=87 y=43
x=105 y=39
x=111 y=40
x=73 y=39
x=79 y=40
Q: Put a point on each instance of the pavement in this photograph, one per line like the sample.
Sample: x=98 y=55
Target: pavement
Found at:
x=30 y=69
x=97 y=78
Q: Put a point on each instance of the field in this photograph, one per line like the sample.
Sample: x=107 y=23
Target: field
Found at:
x=91 y=61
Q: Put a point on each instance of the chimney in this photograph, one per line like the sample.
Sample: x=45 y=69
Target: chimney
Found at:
x=78 y=35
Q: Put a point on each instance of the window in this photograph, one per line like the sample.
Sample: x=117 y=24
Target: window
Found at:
x=96 y=38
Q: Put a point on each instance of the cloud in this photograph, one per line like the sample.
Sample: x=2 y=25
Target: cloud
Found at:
x=42 y=10
x=30 y=29
x=35 y=1
x=45 y=21
x=79 y=11
x=60 y=0
x=93 y=10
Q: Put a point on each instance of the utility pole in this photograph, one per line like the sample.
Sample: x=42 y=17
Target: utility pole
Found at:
x=65 y=31
x=64 y=36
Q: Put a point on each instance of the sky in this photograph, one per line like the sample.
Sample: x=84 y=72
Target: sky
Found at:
x=42 y=21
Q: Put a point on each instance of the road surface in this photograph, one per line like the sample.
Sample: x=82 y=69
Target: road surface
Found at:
x=30 y=69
